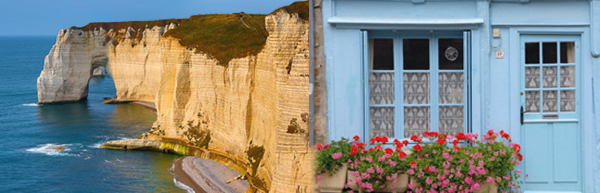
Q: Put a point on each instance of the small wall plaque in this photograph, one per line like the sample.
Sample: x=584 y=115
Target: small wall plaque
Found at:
x=499 y=54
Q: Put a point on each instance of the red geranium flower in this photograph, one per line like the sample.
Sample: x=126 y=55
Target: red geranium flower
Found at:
x=455 y=142
x=491 y=132
x=461 y=136
x=396 y=141
x=405 y=142
x=354 y=150
x=433 y=133
x=398 y=146
x=505 y=135
x=361 y=145
x=519 y=156
x=383 y=140
x=356 y=138
x=389 y=150
x=326 y=146
x=456 y=148
x=517 y=147
x=401 y=154
x=318 y=146
x=414 y=138
x=413 y=163
x=441 y=141
x=417 y=147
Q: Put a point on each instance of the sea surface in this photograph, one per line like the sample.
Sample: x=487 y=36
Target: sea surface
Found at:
x=30 y=132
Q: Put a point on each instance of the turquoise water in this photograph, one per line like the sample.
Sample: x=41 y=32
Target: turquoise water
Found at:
x=29 y=132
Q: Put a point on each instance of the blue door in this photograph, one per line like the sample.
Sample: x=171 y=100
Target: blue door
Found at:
x=550 y=113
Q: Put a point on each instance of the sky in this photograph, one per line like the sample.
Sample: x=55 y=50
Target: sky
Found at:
x=47 y=17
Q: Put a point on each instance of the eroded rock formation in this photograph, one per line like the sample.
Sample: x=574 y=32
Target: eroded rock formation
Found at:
x=243 y=109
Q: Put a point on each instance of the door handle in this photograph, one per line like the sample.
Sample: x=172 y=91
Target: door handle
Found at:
x=522 y=115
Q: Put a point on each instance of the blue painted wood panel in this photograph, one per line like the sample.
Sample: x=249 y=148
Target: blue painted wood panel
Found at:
x=445 y=9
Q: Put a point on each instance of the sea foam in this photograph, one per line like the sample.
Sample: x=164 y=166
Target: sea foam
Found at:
x=50 y=149
x=31 y=105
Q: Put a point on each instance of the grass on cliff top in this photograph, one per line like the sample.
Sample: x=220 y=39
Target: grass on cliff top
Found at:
x=228 y=36
x=223 y=36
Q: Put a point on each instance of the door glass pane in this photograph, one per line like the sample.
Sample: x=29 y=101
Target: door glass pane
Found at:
x=450 y=53
x=416 y=120
x=416 y=88
x=550 y=101
x=383 y=54
x=567 y=101
x=415 y=54
x=381 y=88
x=532 y=77
x=532 y=53
x=550 y=77
x=451 y=85
x=532 y=101
x=567 y=76
x=567 y=52
x=451 y=119
x=382 y=121
x=549 y=50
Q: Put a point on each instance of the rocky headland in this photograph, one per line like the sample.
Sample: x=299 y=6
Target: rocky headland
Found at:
x=228 y=87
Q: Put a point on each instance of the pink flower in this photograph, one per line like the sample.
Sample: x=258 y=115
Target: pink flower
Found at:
x=527 y=175
x=490 y=179
x=441 y=177
x=498 y=178
x=492 y=159
x=319 y=178
x=410 y=171
x=495 y=153
x=475 y=187
x=392 y=186
x=518 y=171
x=411 y=185
x=370 y=170
x=445 y=183
x=429 y=181
x=347 y=186
x=336 y=155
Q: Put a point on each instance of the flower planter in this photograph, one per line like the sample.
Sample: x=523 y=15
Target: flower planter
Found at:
x=493 y=188
x=401 y=185
x=335 y=182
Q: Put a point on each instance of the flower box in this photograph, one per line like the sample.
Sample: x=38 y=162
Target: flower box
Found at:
x=333 y=182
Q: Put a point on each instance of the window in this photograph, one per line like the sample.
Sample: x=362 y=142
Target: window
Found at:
x=550 y=84
x=416 y=84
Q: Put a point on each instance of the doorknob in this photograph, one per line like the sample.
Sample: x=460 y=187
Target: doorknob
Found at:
x=522 y=113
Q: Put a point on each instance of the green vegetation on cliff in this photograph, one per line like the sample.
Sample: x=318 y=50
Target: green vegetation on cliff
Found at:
x=222 y=36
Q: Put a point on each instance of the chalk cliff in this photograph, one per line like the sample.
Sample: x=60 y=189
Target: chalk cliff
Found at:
x=253 y=109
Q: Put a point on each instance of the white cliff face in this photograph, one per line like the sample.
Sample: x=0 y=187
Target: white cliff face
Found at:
x=68 y=66
x=252 y=102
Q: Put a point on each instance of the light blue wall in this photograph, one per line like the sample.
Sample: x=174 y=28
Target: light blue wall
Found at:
x=495 y=96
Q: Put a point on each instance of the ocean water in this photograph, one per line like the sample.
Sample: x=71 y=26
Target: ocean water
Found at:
x=29 y=133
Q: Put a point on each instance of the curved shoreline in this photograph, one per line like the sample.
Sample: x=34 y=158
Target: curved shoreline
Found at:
x=183 y=177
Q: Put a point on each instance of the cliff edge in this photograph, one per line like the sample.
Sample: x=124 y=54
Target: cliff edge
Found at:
x=247 y=102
